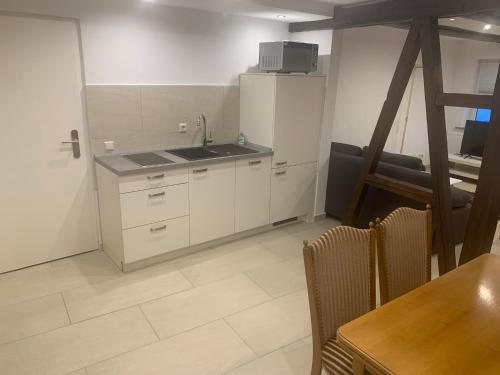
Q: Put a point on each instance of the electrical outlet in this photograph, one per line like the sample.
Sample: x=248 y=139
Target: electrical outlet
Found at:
x=182 y=127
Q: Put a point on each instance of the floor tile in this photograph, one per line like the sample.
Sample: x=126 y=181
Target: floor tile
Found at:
x=285 y=247
x=74 y=347
x=32 y=317
x=212 y=253
x=130 y=289
x=294 y=359
x=228 y=265
x=274 y=324
x=55 y=277
x=78 y=372
x=183 y=311
x=210 y=350
x=279 y=279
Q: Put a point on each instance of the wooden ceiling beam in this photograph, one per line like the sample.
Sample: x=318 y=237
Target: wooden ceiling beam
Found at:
x=397 y=11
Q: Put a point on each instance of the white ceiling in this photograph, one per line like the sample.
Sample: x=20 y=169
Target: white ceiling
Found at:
x=293 y=10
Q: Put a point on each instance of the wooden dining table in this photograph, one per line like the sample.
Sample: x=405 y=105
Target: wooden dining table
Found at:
x=450 y=325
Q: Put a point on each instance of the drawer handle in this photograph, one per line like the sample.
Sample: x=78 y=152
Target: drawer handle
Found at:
x=255 y=162
x=280 y=173
x=200 y=170
x=157 y=195
x=279 y=163
x=158 y=229
x=157 y=177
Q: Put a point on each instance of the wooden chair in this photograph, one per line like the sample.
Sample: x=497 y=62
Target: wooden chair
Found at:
x=404 y=248
x=340 y=273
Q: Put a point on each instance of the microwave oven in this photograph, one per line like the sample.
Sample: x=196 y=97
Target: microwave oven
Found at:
x=288 y=57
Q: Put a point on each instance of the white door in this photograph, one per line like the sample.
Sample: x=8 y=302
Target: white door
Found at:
x=46 y=194
x=292 y=191
x=211 y=202
x=299 y=110
x=253 y=193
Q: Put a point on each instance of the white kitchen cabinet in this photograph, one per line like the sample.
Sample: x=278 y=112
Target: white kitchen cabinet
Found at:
x=211 y=201
x=153 y=205
x=143 y=215
x=283 y=112
x=155 y=239
x=252 y=193
x=292 y=191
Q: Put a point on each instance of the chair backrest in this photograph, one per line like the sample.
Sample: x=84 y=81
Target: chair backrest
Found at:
x=340 y=272
x=404 y=248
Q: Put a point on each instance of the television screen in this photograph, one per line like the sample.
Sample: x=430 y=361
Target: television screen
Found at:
x=483 y=115
x=474 y=138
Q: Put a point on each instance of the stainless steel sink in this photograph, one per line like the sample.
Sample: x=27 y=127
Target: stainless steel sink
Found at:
x=211 y=152
x=194 y=153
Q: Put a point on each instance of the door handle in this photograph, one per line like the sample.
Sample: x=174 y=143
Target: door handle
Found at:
x=75 y=143
x=256 y=162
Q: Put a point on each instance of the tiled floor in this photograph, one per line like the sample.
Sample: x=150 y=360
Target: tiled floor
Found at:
x=237 y=309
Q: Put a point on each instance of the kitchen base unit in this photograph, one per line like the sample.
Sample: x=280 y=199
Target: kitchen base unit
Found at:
x=150 y=217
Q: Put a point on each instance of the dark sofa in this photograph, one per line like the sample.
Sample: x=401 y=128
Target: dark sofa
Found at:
x=345 y=165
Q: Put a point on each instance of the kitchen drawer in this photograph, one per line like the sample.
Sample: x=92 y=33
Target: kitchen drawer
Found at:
x=155 y=239
x=153 y=205
x=153 y=180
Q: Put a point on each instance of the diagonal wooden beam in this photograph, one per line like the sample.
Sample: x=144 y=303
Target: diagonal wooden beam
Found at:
x=438 y=145
x=397 y=11
x=485 y=212
x=388 y=114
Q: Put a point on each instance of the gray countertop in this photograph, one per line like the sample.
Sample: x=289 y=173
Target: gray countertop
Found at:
x=120 y=166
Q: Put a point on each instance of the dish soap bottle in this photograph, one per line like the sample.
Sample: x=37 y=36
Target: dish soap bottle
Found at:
x=242 y=140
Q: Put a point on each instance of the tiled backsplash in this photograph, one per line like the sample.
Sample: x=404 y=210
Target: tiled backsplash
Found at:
x=147 y=117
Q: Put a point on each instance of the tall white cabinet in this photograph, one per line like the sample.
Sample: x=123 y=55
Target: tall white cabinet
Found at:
x=284 y=112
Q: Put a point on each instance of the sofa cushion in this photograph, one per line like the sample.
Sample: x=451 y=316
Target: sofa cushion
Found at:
x=344 y=148
x=460 y=198
x=401 y=160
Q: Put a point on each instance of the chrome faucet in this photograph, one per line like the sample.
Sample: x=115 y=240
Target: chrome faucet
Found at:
x=203 y=119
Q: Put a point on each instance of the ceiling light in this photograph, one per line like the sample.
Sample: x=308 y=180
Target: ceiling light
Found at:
x=281 y=16
x=487 y=27
x=453 y=19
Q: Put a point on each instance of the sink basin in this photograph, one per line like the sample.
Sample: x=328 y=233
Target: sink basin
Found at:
x=231 y=150
x=194 y=153
x=211 y=152
x=148 y=159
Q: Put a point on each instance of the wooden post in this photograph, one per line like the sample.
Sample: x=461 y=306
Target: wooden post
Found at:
x=390 y=109
x=438 y=145
x=483 y=219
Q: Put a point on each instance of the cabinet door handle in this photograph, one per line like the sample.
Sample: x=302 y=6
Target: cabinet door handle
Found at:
x=280 y=163
x=255 y=162
x=157 y=177
x=158 y=229
x=281 y=173
x=200 y=170
x=157 y=195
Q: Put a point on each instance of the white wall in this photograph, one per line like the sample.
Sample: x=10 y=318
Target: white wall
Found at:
x=367 y=63
x=362 y=65
x=132 y=42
